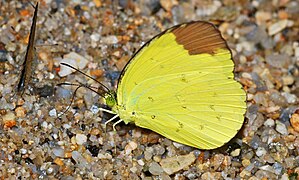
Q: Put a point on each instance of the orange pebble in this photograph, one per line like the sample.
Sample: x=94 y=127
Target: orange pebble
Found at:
x=282 y=15
x=24 y=12
x=295 y=121
x=96 y=72
x=98 y=3
x=9 y=124
x=68 y=155
x=59 y=162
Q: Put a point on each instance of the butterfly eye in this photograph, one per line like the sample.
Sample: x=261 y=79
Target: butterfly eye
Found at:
x=110 y=100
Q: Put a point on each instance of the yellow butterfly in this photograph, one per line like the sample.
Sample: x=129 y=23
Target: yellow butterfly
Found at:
x=181 y=85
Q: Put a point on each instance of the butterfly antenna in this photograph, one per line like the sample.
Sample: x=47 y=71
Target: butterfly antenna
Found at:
x=81 y=85
x=107 y=89
x=69 y=106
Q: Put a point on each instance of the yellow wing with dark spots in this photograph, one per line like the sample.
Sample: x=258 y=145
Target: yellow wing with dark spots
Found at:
x=181 y=85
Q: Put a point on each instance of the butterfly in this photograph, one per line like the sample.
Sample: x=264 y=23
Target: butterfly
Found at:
x=181 y=85
x=27 y=64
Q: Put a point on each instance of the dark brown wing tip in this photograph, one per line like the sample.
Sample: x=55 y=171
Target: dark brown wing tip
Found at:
x=199 y=37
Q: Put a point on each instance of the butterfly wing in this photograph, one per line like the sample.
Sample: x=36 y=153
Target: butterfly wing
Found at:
x=181 y=85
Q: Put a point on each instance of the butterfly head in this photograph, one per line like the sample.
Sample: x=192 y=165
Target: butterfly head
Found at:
x=110 y=98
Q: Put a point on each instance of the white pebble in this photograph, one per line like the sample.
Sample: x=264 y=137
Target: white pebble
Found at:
x=45 y=125
x=53 y=113
x=110 y=40
x=81 y=61
x=269 y=122
x=281 y=128
x=81 y=139
x=291 y=98
x=64 y=70
x=95 y=37
x=133 y=169
x=177 y=145
x=94 y=109
x=140 y=162
x=59 y=152
x=51 y=76
x=260 y=151
x=23 y=151
x=73 y=59
x=277 y=27
x=60 y=143
x=66 y=126
x=246 y=75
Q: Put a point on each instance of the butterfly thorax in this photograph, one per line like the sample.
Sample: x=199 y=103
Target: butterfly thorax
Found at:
x=126 y=115
x=121 y=110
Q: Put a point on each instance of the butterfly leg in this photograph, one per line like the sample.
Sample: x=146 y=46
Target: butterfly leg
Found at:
x=107 y=111
x=114 y=117
x=117 y=122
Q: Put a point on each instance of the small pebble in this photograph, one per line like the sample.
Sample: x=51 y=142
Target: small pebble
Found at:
x=64 y=70
x=277 y=168
x=75 y=60
x=262 y=17
x=80 y=160
x=269 y=122
x=295 y=121
x=267 y=168
x=290 y=162
x=59 y=152
x=95 y=37
x=217 y=160
x=235 y=152
x=277 y=60
x=281 y=128
x=140 y=162
x=288 y=80
x=227 y=161
x=81 y=61
x=133 y=169
x=53 y=113
x=58 y=161
x=20 y=112
x=130 y=147
x=155 y=169
x=261 y=151
x=148 y=153
x=23 y=151
x=81 y=139
x=291 y=98
x=110 y=40
x=173 y=164
x=277 y=27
